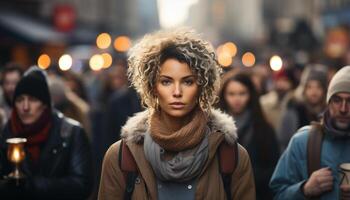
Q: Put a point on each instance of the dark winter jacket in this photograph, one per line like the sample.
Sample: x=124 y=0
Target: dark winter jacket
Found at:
x=64 y=169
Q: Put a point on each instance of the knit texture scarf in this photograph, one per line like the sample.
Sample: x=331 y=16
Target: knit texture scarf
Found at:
x=36 y=133
x=183 y=166
x=187 y=137
x=332 y=130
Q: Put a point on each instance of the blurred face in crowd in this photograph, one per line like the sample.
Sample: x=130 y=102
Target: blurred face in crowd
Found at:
x=236 y=97
x=283 y=85
x=339 y=110
x=314 y=93
x=118 y=77
x=9 y=83
x=29 y=108
x=176 y=89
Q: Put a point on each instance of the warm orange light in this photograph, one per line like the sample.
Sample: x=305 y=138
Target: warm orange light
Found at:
x=224 y=59
x=122 y=43
x=44 y=61
x=103 y=41
x=248 y=59
x=220 y=49
x=230 y=48
x=96 y=62
x=16 y=157
x=107 y=60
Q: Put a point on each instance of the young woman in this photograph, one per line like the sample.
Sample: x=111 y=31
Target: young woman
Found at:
x=175 y=141
x=239 y=98
x=306 y=104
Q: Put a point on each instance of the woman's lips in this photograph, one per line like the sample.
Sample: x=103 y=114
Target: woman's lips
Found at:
x=177 y=105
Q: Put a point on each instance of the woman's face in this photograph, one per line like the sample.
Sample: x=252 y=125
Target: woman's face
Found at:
x=314 y=93
x=236 y=96
x=176 y=88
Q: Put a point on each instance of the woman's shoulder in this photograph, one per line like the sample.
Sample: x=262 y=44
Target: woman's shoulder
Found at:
x=136 y=126
x=113 y=151
x=223 y=123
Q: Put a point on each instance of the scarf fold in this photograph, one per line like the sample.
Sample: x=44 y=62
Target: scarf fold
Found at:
x=36 y=133
x=184 y=166
x=187 y=137
x=333 y=131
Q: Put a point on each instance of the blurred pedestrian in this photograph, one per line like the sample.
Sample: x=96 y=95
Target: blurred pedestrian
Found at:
x=239 y=98
x=69 y=103
x=274 y=102
x=10 y=75
x=306 y=104
x=58 y=159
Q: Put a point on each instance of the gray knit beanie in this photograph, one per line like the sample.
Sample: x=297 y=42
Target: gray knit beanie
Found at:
x=339 y=83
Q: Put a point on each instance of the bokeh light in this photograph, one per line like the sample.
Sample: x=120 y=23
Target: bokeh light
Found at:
x=224 y=59
x=107 y=60
x=44 y=61
x=122 y=43
x=248 y=59
x=103 y=41
x=96 y=62
x=230 y=48
x=276 y=63
x=65 y=62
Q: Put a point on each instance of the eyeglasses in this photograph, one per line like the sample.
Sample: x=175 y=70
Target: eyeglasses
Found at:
x=338 y=101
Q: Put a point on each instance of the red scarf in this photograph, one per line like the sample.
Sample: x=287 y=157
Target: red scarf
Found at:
x=36 y=133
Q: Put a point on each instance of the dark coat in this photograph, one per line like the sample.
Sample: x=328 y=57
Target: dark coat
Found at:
x=64 y=169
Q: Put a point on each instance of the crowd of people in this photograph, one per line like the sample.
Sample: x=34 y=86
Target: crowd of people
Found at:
x=169 y=123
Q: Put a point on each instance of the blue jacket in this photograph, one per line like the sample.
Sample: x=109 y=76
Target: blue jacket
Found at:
x=291 y=170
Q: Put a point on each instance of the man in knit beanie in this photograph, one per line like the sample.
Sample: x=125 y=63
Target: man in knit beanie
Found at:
x=338 y=99
x=291 y=179
x=57 y=162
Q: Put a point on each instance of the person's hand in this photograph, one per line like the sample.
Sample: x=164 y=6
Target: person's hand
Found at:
x=319 y=182
x=345 y=192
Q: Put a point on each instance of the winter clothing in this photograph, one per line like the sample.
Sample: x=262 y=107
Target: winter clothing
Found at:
x=263 y=160
x=315 y=72
x=36 y=133
x=285 y=73
x=291 y=171
x=299 y=112
x=177 y=140
x=207 y=185
x=63 y=170
x=70 y=104
x=339 y=83
x=34 y=83
x=296 y=115
x=273 y=106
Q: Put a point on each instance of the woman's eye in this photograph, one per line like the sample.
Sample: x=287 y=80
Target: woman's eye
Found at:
x=165 y=82
x=189 y=82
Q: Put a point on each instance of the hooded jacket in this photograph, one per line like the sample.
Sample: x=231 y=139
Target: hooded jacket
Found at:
x=209 y=185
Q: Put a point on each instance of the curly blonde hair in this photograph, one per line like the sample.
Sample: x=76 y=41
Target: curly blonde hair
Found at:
x=145 y=59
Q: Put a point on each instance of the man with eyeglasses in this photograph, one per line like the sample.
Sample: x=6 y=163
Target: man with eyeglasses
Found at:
x=290 y=179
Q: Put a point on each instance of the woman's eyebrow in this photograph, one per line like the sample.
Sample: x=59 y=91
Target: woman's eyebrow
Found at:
x=185 y=77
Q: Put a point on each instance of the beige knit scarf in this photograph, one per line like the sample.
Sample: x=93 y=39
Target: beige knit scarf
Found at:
x=185 y=138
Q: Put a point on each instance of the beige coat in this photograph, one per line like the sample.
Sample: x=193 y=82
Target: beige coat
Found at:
x=209 y=186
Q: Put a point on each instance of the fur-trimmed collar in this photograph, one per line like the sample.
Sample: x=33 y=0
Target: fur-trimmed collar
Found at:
x=137 y=126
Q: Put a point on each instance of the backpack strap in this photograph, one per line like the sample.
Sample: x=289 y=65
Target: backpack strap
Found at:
x=314 y=147
x=128 y=166
x=228 y=160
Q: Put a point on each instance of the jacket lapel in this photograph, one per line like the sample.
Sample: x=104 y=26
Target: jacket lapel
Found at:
x=144 y=167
